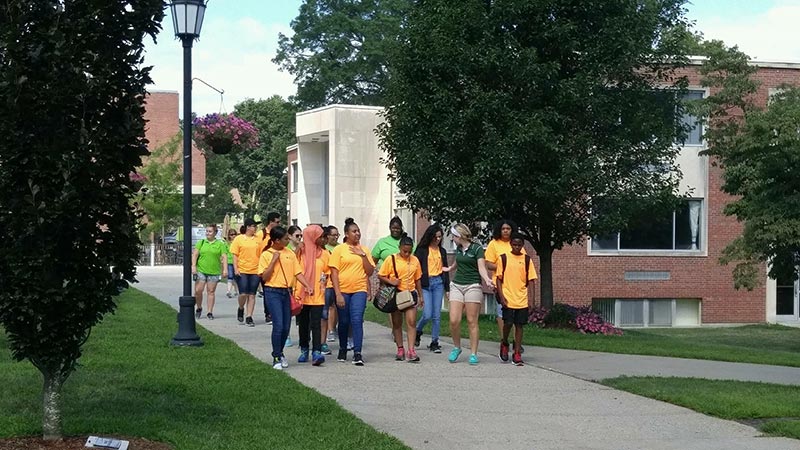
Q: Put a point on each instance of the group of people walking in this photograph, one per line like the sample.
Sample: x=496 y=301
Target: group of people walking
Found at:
x=308 y=267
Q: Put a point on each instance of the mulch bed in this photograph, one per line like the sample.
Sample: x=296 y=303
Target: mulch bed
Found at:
x=73 y=443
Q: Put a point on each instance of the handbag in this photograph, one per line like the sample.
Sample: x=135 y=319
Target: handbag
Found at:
x=295 y=305
x=404 y=300
x=385 y=300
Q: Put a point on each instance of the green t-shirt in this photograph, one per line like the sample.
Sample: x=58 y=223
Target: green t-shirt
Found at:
x=330 y=248
x=384 y=248
x=228 y=250
x=209 y=255
x=467 y=269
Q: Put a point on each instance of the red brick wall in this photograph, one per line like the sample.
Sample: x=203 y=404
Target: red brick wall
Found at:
x=161 y=114
x=578 y=277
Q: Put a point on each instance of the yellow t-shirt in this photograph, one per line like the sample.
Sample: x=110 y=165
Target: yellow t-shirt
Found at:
x=515 y=286
x=247 y=250
x=352 y=277
x=321 y=268
x=409 y=271
x=496 y=248
x=284 y=271
x=434 y=262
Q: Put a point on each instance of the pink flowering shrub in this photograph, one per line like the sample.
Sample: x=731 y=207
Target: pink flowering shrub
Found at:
x=581 y=319
x=222 y=133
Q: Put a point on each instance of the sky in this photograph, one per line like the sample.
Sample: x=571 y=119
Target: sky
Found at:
x=239 y=39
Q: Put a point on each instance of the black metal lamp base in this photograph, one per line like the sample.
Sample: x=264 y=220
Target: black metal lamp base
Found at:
x=187 y=331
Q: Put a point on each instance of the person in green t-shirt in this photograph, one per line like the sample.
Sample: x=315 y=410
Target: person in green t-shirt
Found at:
x=466 y=292
x=209 y=263
x=384 y=248
x=233 y=289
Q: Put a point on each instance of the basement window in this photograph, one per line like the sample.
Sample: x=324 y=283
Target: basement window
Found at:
x=649 y=312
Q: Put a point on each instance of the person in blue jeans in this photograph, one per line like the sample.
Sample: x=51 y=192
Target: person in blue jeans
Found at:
x=276 y=267
x=435 y=283
x=351 y=265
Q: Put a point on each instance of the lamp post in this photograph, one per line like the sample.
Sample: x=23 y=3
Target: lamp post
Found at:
x=187 y=18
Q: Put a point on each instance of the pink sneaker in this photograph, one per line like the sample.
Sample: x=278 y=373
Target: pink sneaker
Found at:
x=412 y=356
x=401 y=354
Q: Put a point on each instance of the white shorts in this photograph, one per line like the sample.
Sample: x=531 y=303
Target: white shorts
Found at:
x=470 y=293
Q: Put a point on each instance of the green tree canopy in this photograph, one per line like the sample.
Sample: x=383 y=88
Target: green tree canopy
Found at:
x=759 y=149
x=72 y=88
x=260 y=174
x=533 y=110
x=161 y=199
x=337 y=53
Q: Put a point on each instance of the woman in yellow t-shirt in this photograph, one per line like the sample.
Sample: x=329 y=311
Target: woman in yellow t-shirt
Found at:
x=404 y=271
x=314 y=260
x=277 y=266
x=246 y=249
x=351 y=265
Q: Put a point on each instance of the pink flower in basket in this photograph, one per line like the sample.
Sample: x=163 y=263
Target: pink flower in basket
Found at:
x=223 y=133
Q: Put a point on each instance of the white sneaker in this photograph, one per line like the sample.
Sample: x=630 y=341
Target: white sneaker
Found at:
x=276 y=364
x=350 y=346
x=284 y=362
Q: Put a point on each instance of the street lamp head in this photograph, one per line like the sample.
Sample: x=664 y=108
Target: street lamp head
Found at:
x=187 y=17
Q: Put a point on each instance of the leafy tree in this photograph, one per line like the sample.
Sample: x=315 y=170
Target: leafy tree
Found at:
x=72 y=87
x=532 y=110
x=759 y=149
x=260 y=174
x=162 y=201
x=338 y=50
x=217 y=201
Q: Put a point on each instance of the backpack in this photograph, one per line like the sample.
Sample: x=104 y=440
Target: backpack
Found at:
x=504 y=259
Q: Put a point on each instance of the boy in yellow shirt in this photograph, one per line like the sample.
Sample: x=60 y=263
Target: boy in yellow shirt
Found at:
x=515 y=287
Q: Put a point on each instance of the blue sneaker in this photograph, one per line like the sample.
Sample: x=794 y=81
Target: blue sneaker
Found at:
x=325 y=349
x=454 y=354
x=473 y=359
x=303 y=355
x=289 y=342
x=317 y=358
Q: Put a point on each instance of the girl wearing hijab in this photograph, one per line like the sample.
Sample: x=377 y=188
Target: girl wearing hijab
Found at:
x=314 y=260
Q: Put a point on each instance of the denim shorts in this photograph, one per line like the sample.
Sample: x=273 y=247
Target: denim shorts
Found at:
x=248 y=283
x=231 y=272
x=208 y=278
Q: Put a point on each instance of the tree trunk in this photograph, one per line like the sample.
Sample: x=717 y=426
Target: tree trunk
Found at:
x=51 y=406
x=546 y=276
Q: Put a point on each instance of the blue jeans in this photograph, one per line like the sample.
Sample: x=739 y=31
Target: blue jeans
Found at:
x=281 y=311
x=432 y=311
x=352 y=315
x=330 y=300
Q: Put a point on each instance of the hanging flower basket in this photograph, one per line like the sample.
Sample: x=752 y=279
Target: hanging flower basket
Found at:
x=224 y=133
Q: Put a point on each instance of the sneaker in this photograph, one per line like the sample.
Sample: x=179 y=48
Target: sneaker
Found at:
x=210 y=316
x=350 y=345
x=276 y=363
x=454 y=354
x=229 y=295
x=303 y=358
x=473 y=359
x=198 y=312
x=284 y=361
x=504 y=351
x=521 y=348
x=401 y=354
x=517 y=359
x=417 y=339
x=317 y=358
x=260 y=294
x=412 y=356
x=358 y=360
x=268 y=319
x=435 y=347
x=249 y=322
x=288 y=342
x=331 y=337
x=342 y=357
x=240 y=315
x=325 y=349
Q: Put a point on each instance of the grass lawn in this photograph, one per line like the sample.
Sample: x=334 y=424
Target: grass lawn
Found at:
x=132 y=383
x=751 y=402
x=760 y=344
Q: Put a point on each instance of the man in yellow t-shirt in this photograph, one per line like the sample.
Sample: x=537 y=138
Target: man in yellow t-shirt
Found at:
x=515 y=286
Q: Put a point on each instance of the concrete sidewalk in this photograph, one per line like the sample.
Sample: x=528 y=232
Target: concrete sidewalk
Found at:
x=437 y=405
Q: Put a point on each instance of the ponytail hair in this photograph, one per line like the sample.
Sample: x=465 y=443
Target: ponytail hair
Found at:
x=405 y=240
x=274 y=234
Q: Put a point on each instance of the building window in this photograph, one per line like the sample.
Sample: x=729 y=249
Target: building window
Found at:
x=695 y=136
x=649 y=312
x=295 y=177
x=676 y=230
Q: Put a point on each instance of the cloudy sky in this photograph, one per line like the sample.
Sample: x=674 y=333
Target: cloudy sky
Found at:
x=239 y=39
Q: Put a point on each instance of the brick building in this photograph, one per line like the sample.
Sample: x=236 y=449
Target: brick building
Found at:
x=663 y=271
x=161 y=114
